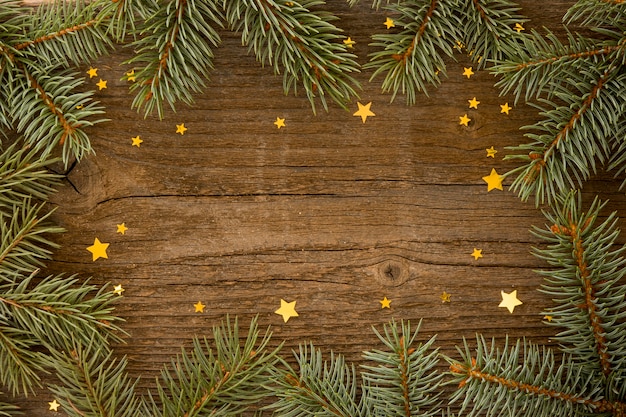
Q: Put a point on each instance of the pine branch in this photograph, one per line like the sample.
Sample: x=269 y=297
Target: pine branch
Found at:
x=585 y=285
x=299 y=41
x=597 y=13
x=414 y=57
x=220 y=382
x=174 y=52
x=20 y=362
x=9 y=410
x=120 y=16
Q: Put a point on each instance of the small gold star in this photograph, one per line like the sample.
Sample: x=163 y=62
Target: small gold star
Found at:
x=389 y=23
x=93 y=72
x=199 y=307
x=181 y=129
x=137 y=141
x=459 y=45
x=121 y=228
x=349 y=42
x=504 y=108
x=518 y=27
x=464 y=120
x=509 y=300
x=287 y=310
x=130 y=75
x=102 y=84
x=468 y=72
x=98 y=249
x=54 y=405
x=279 y=122
x=477 y=253
x=445 y=297
x=548 y=318
x=385 y=303
x=79 y=107
x=493 y=180
x=118 y=289
x=473 y=103
x=491 y=152
x=364 y=111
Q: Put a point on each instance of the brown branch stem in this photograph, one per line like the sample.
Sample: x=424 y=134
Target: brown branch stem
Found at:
x=55 y=35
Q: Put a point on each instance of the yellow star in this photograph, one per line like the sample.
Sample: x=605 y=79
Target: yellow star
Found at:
x=464 y=120
x=54 y=405
x=546 y=317
x=181 y=129
x=102 y=84
x=491 y=152
x=389 y=23
x=121 y=228
x=504 y=108
x=459 y=45
x=287 y=310
x=473 y=103
x=118 y=289
x=93 y=72
x=137 y=141
x=364 y=111
x=98 y=249
x=493 y=180
x=509 y=300
x=130 y=75
x=349 y=42
x=477 y=253
x=468 y=72
x=518 y=27
x=445 y=297
x=279 y=122
x=199 y=307
x=385 y=303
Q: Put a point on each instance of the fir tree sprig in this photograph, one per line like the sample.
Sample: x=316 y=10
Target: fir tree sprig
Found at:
x=9 y=410
x=20 y=360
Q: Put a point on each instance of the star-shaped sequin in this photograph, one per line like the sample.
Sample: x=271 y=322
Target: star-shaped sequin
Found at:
x=118 y=289
x=181 y=129
x=385 y=303
x=137 y=141
x=519 y=27
x=53 y=405
x=287 y=310
x=491 y=152
x=364 y=111
x=445 y=297
x=102 y=84
x=464 y=120
x=509 y=300
x=92 y=72
x=493 y=180
x=468 y=72
x=389 y=23
x=477 y=253
x=504 y=108
x=121 y=228
x=349 y=42
x=98 y=249
x=473 y=103
x=130 y=76
x=279 y=122
x=199 y=307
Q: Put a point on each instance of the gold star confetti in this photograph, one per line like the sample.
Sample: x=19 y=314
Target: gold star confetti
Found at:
x=98 y=249
x=504 y=108
x=121 y=228
x=548 y=318
x=130 y=76
x=199 y=307
x=181 y=129
x=102 y=84
x=93 y=72
x=473 y=103
x=54 y=405
x=445 y=297
x=364 y=111
x=464 y=120
x=468 y=72
x=519 y=27
x=279 y=122
x=79 y=107
x=137 y=141
x=349 y=42
x=493 y=180
x=118 y=289
x=389 y=23
x=509 y=300
x=459 y=45
x=385 y=303
x=287 y=310
x=477 y=253
x=491 y=152
x=289 y=3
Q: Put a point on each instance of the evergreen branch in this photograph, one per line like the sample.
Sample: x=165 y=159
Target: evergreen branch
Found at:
x=405 y=381
x=299 y=41
x=597 y=13
x=320 y=388
x=120 y=16
x=223 y=382
x=59 y=309
x=174 y=52
x=9 y=410
x=415 y=56
x=19 y=361
x=589 y=299
x=495 y=383
x=23 y=246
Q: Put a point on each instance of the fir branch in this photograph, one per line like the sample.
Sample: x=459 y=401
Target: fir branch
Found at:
x=597 y=13
x=299 y=41
x=9 y=410
x=174 y=52
x=120 y=16
x=414 y=57
x=590 y=301
x=20 y=362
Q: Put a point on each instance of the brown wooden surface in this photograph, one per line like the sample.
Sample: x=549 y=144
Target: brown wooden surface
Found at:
x=328 y=211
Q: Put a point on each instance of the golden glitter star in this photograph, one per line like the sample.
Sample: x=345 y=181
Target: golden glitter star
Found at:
x=493 y=180
x=137 y=141
x=389 y=23
x=279 y=122
x=287 y=310
x=491 y=152
x=102 y=84
x=93 y=72
x=98 y=249
x=504 y=108
x=130 y=76
x=385 y=303
x=477 y=253
x=118 y=289
x=468 y=72
x=464 y=120
x=364 y=111
x=54 y=405
x=121 y=228
x=509 y=300
x=349 y=42
x=519 y=27
x=181 y=129
x=473 y=103
x=445 y=297
x=199 y=307
x=548 y=318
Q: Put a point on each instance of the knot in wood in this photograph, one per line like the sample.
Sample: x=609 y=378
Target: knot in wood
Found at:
x=393 y=272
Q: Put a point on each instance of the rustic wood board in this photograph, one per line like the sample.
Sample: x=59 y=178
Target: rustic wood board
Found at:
x=328 y=211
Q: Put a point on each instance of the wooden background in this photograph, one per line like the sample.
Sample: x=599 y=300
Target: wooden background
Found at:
x=328 y=211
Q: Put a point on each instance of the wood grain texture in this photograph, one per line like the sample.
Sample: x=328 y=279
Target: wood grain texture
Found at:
x=328 y=211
